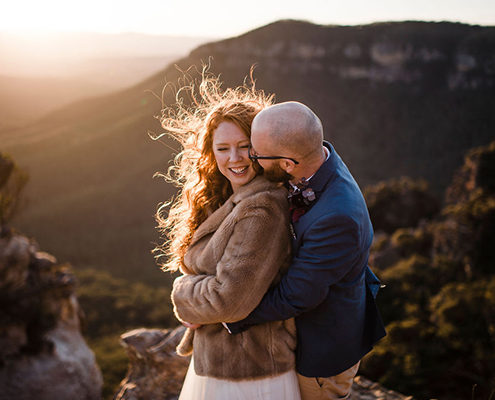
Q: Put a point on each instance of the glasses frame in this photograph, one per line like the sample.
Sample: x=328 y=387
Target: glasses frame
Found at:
x=254 y=158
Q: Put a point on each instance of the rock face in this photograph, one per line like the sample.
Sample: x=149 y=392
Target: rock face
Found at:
x=157 y=372
x=43 y=355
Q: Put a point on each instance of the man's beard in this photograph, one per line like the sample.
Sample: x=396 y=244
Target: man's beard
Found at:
x=277 y=174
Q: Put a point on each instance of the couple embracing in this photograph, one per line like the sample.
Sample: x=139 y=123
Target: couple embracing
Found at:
x=272 y=236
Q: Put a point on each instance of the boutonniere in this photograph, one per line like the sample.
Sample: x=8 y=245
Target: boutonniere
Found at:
x=300 y=198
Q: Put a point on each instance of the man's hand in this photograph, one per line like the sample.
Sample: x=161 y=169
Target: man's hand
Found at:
x=191 y=326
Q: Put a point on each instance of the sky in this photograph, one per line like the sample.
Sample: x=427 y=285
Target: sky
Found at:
x=224 y=18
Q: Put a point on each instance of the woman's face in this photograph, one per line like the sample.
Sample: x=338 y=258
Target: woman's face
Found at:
x=230 y=147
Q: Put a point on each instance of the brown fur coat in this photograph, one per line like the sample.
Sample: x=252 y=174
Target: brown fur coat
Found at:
x=234 y=257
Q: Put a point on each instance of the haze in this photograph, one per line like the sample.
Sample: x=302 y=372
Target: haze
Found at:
x=222 y=18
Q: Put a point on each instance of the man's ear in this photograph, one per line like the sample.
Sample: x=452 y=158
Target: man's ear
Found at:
x=287 y=165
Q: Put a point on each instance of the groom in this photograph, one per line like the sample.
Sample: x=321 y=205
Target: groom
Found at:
x=329 y=288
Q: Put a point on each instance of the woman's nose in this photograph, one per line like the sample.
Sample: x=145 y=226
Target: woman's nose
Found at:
x=235 y=155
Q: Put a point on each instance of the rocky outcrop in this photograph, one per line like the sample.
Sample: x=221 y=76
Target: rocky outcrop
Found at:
x=157 y=372
x=155 y=369
x=43 y=355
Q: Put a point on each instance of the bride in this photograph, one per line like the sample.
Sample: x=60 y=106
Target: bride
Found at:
x=228 y=235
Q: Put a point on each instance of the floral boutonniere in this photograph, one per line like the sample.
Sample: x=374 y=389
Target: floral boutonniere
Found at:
x=300 y=198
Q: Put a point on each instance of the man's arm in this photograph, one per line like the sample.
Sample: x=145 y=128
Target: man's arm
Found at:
x=330 y=247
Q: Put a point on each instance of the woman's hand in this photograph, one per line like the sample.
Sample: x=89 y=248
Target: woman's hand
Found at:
x=191 y=326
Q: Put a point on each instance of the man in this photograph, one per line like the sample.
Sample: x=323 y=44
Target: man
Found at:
x=329 y=288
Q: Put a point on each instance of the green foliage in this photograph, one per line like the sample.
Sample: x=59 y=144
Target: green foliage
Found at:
x=399 y=203
x=113 y=305
x=439 y=300
x=12 y=182
x=464 y=320
x=112 y=360
x=412 y=241
x=478 y=171
x=409 y=283
x=475 y=224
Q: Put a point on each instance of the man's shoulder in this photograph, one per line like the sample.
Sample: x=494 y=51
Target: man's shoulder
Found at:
x=342 y=194
x=341 y=201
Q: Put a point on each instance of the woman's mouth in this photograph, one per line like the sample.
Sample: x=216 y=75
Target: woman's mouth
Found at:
x=239 y=170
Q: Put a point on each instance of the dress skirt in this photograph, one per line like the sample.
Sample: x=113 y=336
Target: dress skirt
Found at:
x=280 y=387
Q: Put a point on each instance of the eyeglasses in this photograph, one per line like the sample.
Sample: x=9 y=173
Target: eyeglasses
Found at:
x=253 y=157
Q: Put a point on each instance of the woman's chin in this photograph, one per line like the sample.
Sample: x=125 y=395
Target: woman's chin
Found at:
x=238 y=180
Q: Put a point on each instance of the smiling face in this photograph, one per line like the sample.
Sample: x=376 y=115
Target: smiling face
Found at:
x=230 y=148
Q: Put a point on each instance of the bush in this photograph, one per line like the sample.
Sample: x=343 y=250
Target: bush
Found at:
x=113 y=305
x=400 y=203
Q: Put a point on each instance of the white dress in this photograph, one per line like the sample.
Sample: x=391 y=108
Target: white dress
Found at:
x=280 y=387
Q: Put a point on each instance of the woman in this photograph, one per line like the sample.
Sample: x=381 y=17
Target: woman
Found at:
x=229 y=237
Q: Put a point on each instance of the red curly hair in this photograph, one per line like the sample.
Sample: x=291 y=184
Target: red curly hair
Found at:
x=203 y=188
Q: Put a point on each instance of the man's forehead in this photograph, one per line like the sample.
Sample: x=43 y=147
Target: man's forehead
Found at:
x=260 y=143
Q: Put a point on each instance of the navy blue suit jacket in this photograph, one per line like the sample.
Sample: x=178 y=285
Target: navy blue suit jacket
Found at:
x=329 y=288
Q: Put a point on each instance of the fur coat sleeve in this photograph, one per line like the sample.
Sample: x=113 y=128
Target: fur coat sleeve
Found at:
x=246 y=252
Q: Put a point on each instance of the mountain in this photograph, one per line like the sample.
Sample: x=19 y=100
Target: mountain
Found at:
x=402 y=98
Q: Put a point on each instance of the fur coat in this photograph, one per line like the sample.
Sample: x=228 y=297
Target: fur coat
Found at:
x=234 y=257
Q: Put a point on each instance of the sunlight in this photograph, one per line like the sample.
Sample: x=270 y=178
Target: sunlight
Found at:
x=32 y=16
x=224 y=17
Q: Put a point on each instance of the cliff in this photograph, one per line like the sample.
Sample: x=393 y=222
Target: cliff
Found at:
x=157 y=372
x=43 y=355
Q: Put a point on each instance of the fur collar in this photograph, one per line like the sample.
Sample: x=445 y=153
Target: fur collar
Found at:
x=257 y=185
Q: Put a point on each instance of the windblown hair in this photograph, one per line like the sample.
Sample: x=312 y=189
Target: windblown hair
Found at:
x=202 y=187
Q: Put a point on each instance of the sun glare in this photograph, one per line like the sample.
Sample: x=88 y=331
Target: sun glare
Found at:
x=223 y=17
x=59 y=15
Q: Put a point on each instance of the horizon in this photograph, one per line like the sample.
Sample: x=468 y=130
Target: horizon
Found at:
x=47 y=32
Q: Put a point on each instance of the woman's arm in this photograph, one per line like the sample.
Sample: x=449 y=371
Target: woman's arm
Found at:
x=257 y=249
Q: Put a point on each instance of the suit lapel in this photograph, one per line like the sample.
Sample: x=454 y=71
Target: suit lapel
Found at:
x=324 y=174
x=319 y=183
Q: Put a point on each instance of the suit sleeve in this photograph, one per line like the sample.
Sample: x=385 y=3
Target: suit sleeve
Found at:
x=329 y=250
x=252 y=258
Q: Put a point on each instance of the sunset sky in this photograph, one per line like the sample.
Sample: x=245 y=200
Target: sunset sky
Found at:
x=221 y=18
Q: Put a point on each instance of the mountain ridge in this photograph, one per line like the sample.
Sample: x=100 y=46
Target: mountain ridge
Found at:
x=390 y=104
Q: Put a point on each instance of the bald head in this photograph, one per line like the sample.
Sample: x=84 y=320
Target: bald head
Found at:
x=289 y=128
